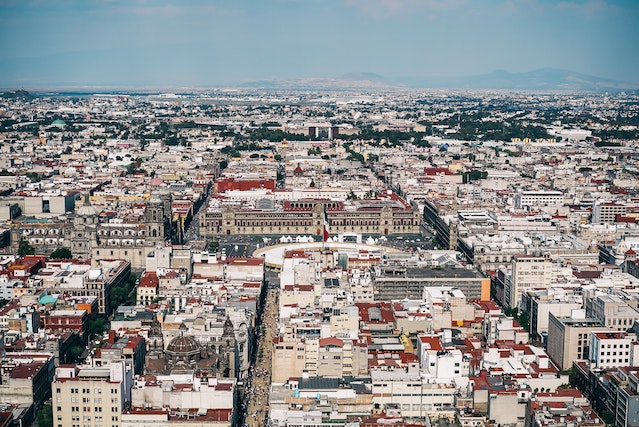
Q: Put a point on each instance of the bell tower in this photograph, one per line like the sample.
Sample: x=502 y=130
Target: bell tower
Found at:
x=154 y=221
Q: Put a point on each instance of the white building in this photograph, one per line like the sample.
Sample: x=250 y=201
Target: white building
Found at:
x=442 y=364
x=536 y=199
x=407 y=391
x=612 y=349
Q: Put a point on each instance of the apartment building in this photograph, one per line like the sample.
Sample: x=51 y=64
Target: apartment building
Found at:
x=536 y=199
x=569 y=337
x=611 y=349
x=91 y=397
x=612 y=311
x=527 y=272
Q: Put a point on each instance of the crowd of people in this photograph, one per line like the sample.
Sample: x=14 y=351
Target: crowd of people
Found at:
x=256 y=391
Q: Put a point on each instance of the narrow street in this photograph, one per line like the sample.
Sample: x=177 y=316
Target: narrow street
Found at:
x=259 y=380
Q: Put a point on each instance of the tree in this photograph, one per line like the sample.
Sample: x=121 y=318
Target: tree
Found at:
x=24 y=248
x=45 y=416
x=61 y=253
x=119 y=296
x=214 y=245
x=96 y=326
x=75 y=352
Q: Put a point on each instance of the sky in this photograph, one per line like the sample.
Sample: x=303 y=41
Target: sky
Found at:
x=190 y=43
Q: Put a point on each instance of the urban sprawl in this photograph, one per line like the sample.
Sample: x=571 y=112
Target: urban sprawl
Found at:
x=313 y=258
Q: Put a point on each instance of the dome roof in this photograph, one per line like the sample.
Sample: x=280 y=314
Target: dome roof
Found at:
x=183 y=345
x=86 y=209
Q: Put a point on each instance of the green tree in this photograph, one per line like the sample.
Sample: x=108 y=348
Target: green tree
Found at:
x=119 y=296
x=24 y=248
x=96 y=326
x=75 y=352
x=45 y=416
x=61 y=253
x=214 y=245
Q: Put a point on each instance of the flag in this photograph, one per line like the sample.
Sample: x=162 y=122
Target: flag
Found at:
x=326 y=230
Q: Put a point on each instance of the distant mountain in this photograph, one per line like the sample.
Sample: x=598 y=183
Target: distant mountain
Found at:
x=364 y=76
x=358 y=80
x=542 y=79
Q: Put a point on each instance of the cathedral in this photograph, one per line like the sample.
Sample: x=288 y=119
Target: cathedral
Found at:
x=97 y=235
x=185 y=355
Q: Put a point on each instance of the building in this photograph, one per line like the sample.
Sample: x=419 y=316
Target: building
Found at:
x=569 y=338
x=607 y=212
x=614 y=391
x=540 y=303
x=535 y=199
x=611 y=349
x=91 y=397
x=182 y=395
x=405 y=391
x=26 y=378
x=90 y=235
x=527 y=272
x=397 y=282
x=612 y=311
x=147 y=290
x=388 y=215
x=84 y=279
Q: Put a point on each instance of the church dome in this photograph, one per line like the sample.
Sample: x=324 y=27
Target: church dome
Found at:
x=183 y=346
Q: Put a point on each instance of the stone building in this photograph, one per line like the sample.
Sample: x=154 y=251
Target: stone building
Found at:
x=91 y=234
x=389 y=215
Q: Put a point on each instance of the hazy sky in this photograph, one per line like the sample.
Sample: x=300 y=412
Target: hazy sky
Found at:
x=197 y=42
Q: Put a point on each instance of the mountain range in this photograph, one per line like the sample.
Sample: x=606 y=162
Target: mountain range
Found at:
x=544 y=79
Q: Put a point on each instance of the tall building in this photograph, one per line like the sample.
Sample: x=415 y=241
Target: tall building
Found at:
x=527 y=272
x=569 y=338
x=91 y=397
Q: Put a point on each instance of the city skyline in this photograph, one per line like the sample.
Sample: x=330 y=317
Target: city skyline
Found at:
x=201 y=43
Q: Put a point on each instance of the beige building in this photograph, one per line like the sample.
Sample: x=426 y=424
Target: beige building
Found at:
x=91 y=397
x=390 y=215
x=289 y=359
x=569 y=338
x=527 y=272
x=612 y=311
x=89 y=235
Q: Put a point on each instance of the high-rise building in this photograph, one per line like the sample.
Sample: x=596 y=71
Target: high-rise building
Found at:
x=91 y=397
